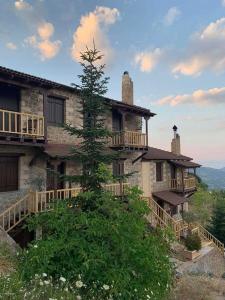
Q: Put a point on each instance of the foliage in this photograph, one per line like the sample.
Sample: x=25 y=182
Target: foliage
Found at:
x=217 y=222
x=40 y=287
x=201 y=204
x=110 y=246
x=94 y=134
x=193 y=242
x=189 y=217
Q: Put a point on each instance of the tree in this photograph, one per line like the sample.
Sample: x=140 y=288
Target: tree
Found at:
x=217 y=223
x=93 y=152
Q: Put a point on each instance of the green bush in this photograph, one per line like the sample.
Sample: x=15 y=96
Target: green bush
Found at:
x=108 y=252
x=193 y=242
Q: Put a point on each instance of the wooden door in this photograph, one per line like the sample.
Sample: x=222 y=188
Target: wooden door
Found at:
x=9 y=101
x=8 y=173
x=53 y=173
x=116 y=121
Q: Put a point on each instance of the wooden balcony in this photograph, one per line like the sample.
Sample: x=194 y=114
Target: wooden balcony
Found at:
x=21 y=124
x=129 y=139
x=189 y=184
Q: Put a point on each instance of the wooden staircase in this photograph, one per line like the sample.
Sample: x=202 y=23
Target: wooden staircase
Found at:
x=159 y=217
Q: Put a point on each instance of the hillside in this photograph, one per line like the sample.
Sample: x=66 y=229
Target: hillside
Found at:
x=214 y=178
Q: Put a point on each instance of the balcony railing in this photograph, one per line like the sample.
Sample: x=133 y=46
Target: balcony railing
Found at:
x=22 y=124
x=129 y=138
x=188 y=184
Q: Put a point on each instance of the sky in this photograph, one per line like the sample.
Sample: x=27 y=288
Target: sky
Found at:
x=174 y=52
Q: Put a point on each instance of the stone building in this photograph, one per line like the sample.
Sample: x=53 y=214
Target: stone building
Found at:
x=32 y=141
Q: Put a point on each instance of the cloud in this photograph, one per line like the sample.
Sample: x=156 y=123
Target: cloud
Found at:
x=200 y=97
x=47 y=48
x=94 y=27
x=172 y=15
x=11 y=46
x=223 y=2
x=206 y=50
x=22 y=5
x=45 y=30
x=148 y=60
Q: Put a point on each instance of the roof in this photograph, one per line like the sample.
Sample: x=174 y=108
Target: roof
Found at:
x=30 y=79
x=155 y=154
x=185 y=164
x=170 y=197
x=58 y=150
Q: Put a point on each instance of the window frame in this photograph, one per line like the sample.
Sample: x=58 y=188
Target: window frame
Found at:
x=52 y=100
x=159 y=176
x=118 y=168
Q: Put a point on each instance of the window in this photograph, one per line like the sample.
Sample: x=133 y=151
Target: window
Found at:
x=159 y=171
x=55 y=111
x=8 y=178
x=118 y=168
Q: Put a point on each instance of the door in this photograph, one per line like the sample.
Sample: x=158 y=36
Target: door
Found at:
x=53 y=180
x=9 y=173
x=9 y=101
x=173 y=172
x=116 y=121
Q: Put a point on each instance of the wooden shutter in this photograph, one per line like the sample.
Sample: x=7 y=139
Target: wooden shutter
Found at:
x=8 y=174
x=118 y=168
x=55 y=111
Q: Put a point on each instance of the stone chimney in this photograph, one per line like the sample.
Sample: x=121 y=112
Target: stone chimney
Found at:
x=175 y=144
x=127 y=89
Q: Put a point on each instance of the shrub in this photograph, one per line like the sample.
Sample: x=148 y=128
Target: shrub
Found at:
x=193 y=242
x=108 y=252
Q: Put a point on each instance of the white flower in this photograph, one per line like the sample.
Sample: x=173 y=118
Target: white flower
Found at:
x=79 y=297
x=44 y=275
x=66 y=289
x=148 y=297
x=41 y=283
x=105 y=287
x=79 y=283
x=46 y=282
x=52 y=299
x=35 y=246
x=62 y=279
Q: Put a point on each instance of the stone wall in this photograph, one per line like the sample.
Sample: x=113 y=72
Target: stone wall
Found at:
x=165 y=183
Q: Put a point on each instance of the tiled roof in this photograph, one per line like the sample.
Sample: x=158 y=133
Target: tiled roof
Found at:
x=170 y=197
x=30 y=79
x=155 y=153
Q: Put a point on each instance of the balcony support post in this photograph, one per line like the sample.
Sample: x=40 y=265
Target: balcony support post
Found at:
x=45 y=98
x=182 y=173
x=146 y=129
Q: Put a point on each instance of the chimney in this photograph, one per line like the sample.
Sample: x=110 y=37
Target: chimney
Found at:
x=127 y=89
x=175 y=144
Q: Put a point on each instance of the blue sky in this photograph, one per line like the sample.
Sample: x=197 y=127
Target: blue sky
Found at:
x=173 y=50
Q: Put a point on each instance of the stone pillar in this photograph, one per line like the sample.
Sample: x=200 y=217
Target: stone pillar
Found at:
x=127 y=89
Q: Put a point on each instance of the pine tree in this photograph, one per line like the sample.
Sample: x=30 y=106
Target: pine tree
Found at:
x=217 y=224
x=93 y=153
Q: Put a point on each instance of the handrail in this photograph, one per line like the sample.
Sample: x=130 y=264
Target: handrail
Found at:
x=35 y=202
x=131 y=138
x=208 y=236
x=46 y=199
x=17 y=212
x=24 y=124
x=164 y=218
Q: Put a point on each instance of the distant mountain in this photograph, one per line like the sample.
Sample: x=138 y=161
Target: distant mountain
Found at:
x=214 y=178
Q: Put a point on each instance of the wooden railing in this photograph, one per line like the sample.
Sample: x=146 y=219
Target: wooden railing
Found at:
x=159 y=217
x=23 y=124
x=189 y=183
x=17 y=212
x=205 y=234
x=35 y=202
x=129 y=138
